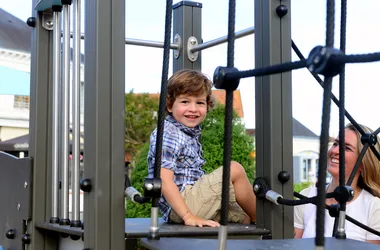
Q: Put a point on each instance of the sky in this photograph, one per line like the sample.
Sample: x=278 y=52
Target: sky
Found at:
x=145 y=20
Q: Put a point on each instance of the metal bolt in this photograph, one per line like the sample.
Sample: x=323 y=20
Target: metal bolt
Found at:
x=25 y=185
x=256 y=188
x=49 y=24
x=149 y=186
x=192 y=57
x=323 y=51
x=18 y=207
x=193 y=41
x=311 y=68
x=316 y=60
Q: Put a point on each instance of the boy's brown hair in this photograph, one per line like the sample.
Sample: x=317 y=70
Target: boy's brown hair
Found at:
x=189 y=82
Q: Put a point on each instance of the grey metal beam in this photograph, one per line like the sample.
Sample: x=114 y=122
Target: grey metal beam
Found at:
x=273 y=115
x=187 y=22
x=104 y=209
x=40 y=132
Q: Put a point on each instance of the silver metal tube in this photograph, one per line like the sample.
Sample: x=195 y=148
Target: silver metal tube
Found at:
x=147 y=43
x=341 y=222
x=154 y=222
x=75 y=198
x=221 y=40
x=55 y=122
x=222 y=238
x=140 y=42
x=65 y=115
x=273 y=196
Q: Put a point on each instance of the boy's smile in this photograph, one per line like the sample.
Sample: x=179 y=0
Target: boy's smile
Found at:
x=189 y=110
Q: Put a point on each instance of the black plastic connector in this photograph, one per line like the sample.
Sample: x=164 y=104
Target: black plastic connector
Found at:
x=343 y=194
x=281 y=10
x=369 y=138
x=86 y=185
x=283 y=176
x=152 y=187
x=319 y=61
x=220 y=80
x=260 y=187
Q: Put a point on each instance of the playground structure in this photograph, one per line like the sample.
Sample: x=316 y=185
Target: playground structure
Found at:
x=41 y=190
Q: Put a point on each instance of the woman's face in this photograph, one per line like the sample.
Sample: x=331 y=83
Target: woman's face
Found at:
x=351 y=155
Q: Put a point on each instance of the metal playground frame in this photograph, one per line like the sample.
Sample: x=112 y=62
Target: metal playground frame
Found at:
x=45 y=215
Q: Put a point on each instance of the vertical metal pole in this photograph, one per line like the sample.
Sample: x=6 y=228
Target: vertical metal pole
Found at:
x=273 y=114
x=65 y=114
x=75 y=220
x=39 y=132
x=104 y=205
x=55 y=122
x=187 y=22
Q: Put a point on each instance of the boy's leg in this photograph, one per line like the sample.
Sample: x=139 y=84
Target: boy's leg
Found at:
x=204 y=198
x=245 y=196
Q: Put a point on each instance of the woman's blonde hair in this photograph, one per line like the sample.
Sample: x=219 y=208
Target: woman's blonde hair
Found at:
x=369 y=178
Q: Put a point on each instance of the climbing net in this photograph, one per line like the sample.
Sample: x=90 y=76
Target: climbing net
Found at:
x=322 y=60
x=328 y=62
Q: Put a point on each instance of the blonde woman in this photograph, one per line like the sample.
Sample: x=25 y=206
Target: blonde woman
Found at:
x=364 y=207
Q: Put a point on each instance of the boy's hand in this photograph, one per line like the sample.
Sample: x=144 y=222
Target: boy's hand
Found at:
x=192 y=220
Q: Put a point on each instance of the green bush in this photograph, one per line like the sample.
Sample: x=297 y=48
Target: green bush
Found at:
x=298 y=187
x=139 y=173
x=212 y=144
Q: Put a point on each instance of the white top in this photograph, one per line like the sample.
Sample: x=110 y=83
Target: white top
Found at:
x=365 y=209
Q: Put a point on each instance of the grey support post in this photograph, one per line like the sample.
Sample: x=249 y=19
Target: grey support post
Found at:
x=187 y=29
x=40 y=132
x=104 y=204
x=273 y=115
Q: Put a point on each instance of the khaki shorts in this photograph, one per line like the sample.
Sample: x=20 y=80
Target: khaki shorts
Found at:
x=204 y=199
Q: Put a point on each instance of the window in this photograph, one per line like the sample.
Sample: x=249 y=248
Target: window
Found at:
x=21 y=101
x=306 y=169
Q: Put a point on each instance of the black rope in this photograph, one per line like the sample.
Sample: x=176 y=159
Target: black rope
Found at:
x=337 y=102
x=324 y=139
x=342 y=158
x=268 y=70
x=361 y=58
x=349 y=218
x=228 y=117
x=164 y=90
x=357 y=165
x=303 y=201
x=376 y=132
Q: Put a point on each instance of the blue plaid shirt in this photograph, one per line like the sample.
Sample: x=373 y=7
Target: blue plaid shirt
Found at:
x=181 y=153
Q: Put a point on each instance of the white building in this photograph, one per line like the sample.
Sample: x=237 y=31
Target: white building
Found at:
x=15 y=47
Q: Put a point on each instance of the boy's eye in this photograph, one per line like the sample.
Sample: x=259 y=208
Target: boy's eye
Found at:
x=184 y=101
x=201 y=103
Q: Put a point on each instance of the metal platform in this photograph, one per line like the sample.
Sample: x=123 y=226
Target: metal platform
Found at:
x=289 y=244
x=136 y=228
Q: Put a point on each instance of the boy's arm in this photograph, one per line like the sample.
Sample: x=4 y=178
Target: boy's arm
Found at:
x=173 y=196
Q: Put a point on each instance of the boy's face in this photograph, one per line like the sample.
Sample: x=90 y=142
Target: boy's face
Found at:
x=189 y=110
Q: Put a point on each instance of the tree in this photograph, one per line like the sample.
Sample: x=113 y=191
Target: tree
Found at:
x=140 y=120
x=212 y=144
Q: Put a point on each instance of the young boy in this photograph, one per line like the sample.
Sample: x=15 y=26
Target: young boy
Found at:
x=190 y=196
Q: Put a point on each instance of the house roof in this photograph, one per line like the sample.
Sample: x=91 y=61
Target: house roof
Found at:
x=220 y=96
x=301 y=131
x=14 y=33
